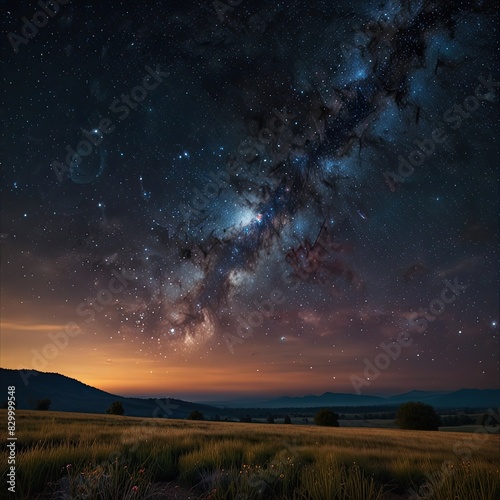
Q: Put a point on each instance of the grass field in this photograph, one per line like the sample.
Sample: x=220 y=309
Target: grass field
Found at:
x=68 y=455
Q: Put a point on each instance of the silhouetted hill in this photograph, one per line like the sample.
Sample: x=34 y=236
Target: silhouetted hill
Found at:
x=326 y=399
x=463 y=398
x=471 y=398
x=67 y=394
x=429 y=397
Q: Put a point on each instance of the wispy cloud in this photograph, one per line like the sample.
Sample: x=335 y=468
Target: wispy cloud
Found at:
x=30 y=327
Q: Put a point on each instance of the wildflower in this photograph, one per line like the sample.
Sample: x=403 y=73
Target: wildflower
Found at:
x=135 y=489
x=68 y=467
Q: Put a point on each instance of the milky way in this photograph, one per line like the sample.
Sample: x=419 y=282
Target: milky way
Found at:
x=261 y=157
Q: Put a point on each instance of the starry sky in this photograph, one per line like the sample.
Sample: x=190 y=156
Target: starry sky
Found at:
x=204 y=200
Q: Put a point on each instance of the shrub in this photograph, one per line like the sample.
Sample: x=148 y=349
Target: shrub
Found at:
x=417 y=417
x=196 y=415
x=326 y=418
x=43 y=404
x=116 y=408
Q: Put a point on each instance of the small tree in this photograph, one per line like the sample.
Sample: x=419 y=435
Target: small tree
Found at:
x=326 y=418
x=417 y=417
x=116 y=408
x=196 y=415
x=287 y=419
x=270 y=419
x=43 y=404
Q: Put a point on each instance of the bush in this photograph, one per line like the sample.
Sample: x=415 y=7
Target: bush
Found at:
x=196 y=415
x=287 y=420
x=326 y=418
x=43 y=404
x=116 y=408
x=417 y=417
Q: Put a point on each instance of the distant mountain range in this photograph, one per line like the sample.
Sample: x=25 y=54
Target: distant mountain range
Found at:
x=67 y=394
x=463 y=398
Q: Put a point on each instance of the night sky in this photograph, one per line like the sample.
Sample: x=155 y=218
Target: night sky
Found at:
x=207 y=201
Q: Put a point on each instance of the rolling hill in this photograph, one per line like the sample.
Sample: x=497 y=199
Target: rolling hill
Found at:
x=462 y=398
x=67 y=394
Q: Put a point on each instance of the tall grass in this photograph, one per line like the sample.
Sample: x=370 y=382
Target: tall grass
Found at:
x=121 y=457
